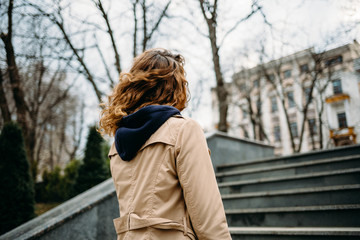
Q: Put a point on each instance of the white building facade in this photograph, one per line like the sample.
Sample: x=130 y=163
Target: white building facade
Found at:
x=298 y=103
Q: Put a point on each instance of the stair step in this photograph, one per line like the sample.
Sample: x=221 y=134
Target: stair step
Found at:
x=329 y=195
x=300 y=157
x=315 y=216
x=297 y=233
x=291 y=169
x=293 y=209
x=318 y=179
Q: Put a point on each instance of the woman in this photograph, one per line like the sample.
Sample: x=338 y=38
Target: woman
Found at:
x=159 y=161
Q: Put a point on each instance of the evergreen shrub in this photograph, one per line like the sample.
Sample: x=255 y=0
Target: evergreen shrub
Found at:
x=16 y=185
x=94 y=168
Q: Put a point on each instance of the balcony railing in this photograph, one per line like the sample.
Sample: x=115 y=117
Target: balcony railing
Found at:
x=337 y=98
x=343 y=136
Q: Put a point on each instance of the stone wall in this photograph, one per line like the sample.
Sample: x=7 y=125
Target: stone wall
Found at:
x=226 y=149
x=86 y=216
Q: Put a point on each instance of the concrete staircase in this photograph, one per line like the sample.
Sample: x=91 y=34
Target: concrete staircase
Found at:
x=305 y=196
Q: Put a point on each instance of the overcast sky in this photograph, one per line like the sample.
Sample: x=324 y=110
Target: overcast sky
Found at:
x=296 y=25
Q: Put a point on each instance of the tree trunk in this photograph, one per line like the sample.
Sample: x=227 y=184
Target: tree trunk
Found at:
x=144 y=8
x=281 y=96
x=251 y=115
x=220 y=88
x=320 y=135
x=16 y=86
x=135 y=28
x=220 y=85
x=111 y=35
x=289 y=126
x=221 y=91
x=305 y=111
x=15 y=82
x=5 y=112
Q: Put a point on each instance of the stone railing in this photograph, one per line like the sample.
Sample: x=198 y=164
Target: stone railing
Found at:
x=226 y=149
x=86 y=216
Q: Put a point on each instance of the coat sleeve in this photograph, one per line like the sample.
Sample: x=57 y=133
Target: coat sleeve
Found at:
x=197 y=178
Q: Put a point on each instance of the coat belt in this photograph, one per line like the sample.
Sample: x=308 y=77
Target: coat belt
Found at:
x=132 y=221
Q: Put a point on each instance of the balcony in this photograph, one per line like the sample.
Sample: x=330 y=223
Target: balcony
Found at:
x=343 y=136
x=337 y=98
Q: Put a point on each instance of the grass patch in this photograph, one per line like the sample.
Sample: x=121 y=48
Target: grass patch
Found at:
x=41 y=208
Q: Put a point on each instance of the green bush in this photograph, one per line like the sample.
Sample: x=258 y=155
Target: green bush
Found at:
x=16 y=185
x=56 y=187
x=77 y=177
x=94 y=169
x=106 y=149
x=71 y=174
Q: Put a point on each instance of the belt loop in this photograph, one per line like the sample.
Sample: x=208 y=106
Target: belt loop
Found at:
x=128 y=222
x=185 y=226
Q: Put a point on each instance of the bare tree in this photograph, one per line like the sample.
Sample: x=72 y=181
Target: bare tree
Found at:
x=210 y=13
x=14 y=77
x=314 y=75
x=56 y=16
x=56 y=13
x=313 y=79
x=147 y=34
x=251 y=90
x=150 y=25
x=77 y=126
x=110 y=32
x=46 y=87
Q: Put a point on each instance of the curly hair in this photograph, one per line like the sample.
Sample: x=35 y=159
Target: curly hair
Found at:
x=157 y=77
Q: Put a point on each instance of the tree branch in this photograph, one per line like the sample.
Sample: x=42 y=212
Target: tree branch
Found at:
x=253 y=11
x=111 y=35
x=104 y=63
x=80 y=59
x=162 y=15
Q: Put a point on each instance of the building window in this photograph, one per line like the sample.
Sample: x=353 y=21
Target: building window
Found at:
x=312 y=126
x=256 y=83
x=333 y=61
x=258 y=105
x=246 y=134
x=307 y=94
x=337 y=88
x=294 y=130
x=242 y=87
x=342 y=120
x=290 y=97
x=277 y=133
x=287 y=74
x=244 y=113
x=304 y=68
x=271 y=77
x=274 y=107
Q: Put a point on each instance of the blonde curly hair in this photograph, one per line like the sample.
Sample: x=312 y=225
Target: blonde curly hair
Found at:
x=157 y=77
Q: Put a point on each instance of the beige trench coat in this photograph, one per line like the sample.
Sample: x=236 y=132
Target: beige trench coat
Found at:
x=169 y=190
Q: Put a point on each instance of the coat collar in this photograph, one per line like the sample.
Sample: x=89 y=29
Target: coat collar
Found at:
x=164 y=134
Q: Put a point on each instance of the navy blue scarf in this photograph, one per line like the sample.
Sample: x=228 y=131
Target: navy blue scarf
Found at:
x=136 y=128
